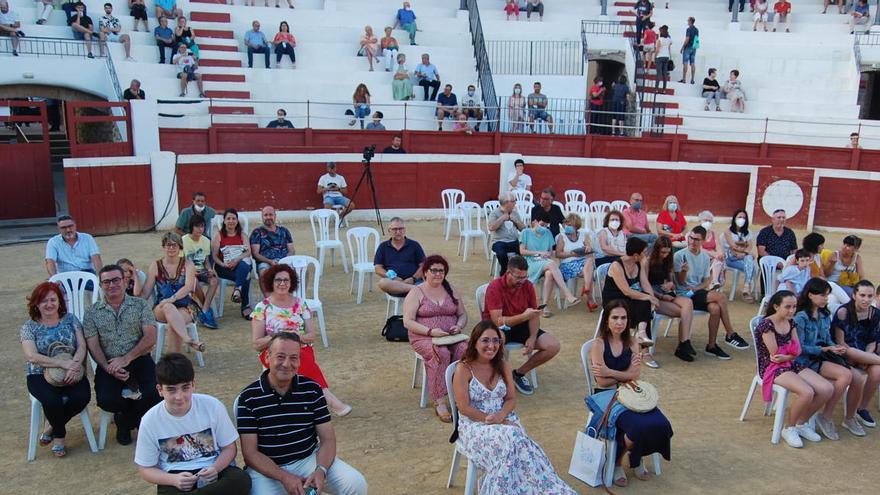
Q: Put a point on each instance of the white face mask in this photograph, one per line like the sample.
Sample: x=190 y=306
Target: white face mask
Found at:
x=517 y=91
x=198 y=208
x=470 y=93
x=673 y=206
x=740 y=221
x=707 y=225
x=614 y=224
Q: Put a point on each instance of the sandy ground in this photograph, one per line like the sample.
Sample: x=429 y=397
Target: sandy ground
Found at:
x=402 y=449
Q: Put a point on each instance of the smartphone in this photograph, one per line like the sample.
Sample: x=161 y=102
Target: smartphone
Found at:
x=542 y=306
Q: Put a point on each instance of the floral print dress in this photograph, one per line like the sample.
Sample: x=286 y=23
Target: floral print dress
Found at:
x=512 y=462
x=290 y=319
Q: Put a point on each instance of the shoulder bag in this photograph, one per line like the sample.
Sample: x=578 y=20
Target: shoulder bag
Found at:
x=394 y=331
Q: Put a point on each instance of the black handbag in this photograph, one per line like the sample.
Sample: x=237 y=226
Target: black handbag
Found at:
x=670 y=65
x=394 y=330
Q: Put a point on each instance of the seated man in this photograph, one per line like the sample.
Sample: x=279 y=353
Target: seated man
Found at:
x=164 y=39
x=167 y=8
x=692 y=280
x=376 y=124
x=512 y=307
x=281 y=121
x=287 y=440
x=447 y=105
x=256 y=43
x=470 y=105
x=189 y=67
x=10 y=24
x=428 y=77
x=505 y=225
x=395 y=147
x=406 y=19
x=537 y=104
x=199 y=207
x=332 y=187
x=197 y=249
x=72 y=251
x=270 y=242
x=110 y=29
x=636 y=221
x=519 y=179
x=134 y=91
x=550 y=213
x=398 y=261
x=138 y=10
x=120 y=331
x=186 y=443
x=860 y=15
x=82 y=26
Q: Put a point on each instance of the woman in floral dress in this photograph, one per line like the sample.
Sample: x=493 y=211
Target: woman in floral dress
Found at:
x=490 y=433
x=282 y=311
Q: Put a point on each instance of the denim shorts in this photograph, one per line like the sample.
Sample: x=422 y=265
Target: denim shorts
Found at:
x=336 y=200
x=688 y=56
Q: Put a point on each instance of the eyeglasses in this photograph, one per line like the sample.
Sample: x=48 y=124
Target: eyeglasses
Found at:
x=518 y=277
x=437 y=271
x=397 y=229
x=487 y=341
x=282 y=280
x=66 y=227
x=111 y=281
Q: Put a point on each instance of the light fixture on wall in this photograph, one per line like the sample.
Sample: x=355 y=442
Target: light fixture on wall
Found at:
x=28 y=75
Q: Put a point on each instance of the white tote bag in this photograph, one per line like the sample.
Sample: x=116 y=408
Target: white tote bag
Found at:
x=587 y=459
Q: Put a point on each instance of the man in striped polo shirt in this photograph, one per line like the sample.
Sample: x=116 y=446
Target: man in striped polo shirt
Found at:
x=287 y=440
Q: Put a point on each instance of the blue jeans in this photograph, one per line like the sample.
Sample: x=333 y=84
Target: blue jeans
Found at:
x=502 y=249
x=239 y=276
x=688 y=55
x=263 y=49
x=745 y=265
x=361 y=110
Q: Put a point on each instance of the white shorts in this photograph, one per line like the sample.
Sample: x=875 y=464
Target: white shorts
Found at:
x=112 y=37
x=759 y=17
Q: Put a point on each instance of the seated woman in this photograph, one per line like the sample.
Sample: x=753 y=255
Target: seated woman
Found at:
x=390 y=48
x=435 y=309
x=186 y=35
x=738 y=247
x=820 y=354
x=733 y=88
x=814 y=244
x=401 y=85
x=778 y=346
x=856 y=325
x=361 y=103
x=489 y=432
x=132 y=277
x=369 y=46
x=615 y=359
x=535 y=246
x=284 y=45
x=669 y=304
x=611 y=239
x=174 y=278
x=627 y=279
x=576 y=255
x=231 y=251
x=712 y=247
x=671 y=222
x=844 y=267
x=49 y=330
x=282 y=311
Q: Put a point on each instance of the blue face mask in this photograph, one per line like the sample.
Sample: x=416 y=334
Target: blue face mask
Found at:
x=569 y=229
x=637 y=205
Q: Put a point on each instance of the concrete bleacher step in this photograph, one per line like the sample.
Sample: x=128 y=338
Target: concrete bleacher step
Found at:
x=210 y=16
x=667 y=120
x=626 y=13
x=624 y=4
x=216 y=62
x=223 y=78
x=219 y=110
x=659 y=91
x=216 y=33
x=215 y=93
x=627 y=23
x=217 y=48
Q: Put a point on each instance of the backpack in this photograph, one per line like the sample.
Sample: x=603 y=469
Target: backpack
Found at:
x=394 y=331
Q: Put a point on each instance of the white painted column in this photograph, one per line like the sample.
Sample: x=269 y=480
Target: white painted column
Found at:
x=144 y=126
x=506 y=169
x=162 y=171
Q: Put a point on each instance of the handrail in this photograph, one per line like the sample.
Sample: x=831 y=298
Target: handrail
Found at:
x=114 y=79
x=545 y=57
x=484 y=71
x=611 y=28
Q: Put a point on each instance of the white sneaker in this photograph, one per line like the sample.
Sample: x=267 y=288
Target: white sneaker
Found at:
x=854 y=427
x=791 y=437
x=130 y=59
x=827 y=428
x=808 y=433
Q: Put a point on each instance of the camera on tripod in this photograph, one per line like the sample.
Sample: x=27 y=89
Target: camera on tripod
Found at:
x=369 y=152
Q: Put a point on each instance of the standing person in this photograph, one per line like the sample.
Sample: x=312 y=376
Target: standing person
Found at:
x=436 y=310
x=536 y=246
x=778 y=348
x=72 y=251
x=511 y=305
x=270 y=242
x=49 y=331
x=398 y=261
x=643 y=10
x=390 y=48
x=287 y=440
x=549 y=212
x=738 y=247
x=489 y=431
x=197 y=249
x=282 y=311
x=284 y=44
x=519 y=179
x=120 y=331
x=742 y=5
x=853 y=143
x=256 y=43
x=232 y=255
x=776 y=240
x=712 y=90
x=369 y=46
x=782 y=8
x=596 y=97
x=619 y=99
x=516 y=109
x=428 y=77
x=406 y=19
x=662 y=280
x=664 y=55
x=199 y=207
x=332 y=188
x=505 y=225
x=636 y=220
x=576 y=255
x=649 y=48
x=186 y=443
x=689 y=50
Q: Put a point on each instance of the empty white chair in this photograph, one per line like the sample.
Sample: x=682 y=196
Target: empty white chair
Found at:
x=511 y=346
x=768 y=266
x=575 y=195
x=598 y=209
x=780 y=394
x=420 y=365
x=488 y=208
x=362 y=242
x=162 y=329
x=600 y=274
x=325 y=231
x=37 y=424
x=523 y=195
x=75 y=285
x=471 y=217
x=451 y=198
x=470 y=483
x=300 y=265
x=619 y=205
x=524 y=208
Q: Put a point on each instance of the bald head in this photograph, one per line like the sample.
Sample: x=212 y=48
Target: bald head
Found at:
x=268 y=214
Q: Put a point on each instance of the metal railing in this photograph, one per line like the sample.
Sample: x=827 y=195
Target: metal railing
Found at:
x=484 y=71
x=608 y=28
x=562 y=58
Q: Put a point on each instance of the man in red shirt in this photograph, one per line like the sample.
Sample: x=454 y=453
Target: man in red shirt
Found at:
x=512 y=306
x=782 y=9
x=636 y=221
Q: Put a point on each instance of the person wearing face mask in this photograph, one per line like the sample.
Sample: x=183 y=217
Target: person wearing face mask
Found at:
x=712 y=247
x=738 y=251
x=406 y=19
x=635 y=221
x=612 y=240
x=516 y=109
x=200 y=207
x=576 y=255
x=72 y=251
x=536 y=246
x=671 y=222
x=470 y=106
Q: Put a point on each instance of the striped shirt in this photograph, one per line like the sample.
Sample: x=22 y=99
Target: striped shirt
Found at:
x=285 y=426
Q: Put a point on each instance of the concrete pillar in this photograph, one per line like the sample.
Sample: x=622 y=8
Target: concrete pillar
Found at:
x=162 y=173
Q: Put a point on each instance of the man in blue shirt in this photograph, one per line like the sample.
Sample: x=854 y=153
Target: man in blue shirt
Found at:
x=428 y=77
x=447 y=105
x=164 y=39
x=72 y=251
x=398 y=261
x=256 y=43
x=168 y=8
x=406 y=18
x=859 y=15
x=270 y=242
x=689 y=50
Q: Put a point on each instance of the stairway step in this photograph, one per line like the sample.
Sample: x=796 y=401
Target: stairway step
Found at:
x=216 y=33
x=223 y=77
x=210 y=16
x=670 y=120
x=627 y=23
x=245 y=95
x=218 y=48
x=659 y=104
x=214 y=62
x=651 y=76
x=625 y=13
x=235 y=124
x=659 y=91
x=231 y=110
x=629 y=34
x=624 y=4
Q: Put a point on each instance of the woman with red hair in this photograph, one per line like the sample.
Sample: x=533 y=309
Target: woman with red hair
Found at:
x=49 y=332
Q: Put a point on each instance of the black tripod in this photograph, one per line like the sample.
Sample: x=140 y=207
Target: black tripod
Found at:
x=369 y=152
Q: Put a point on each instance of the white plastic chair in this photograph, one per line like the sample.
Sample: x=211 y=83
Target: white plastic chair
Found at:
x=220 y=299
x=470 y=215
x=611 y=447
x=470 y=483
x=512 y=346
x=582 y=210
x=598 y=209
x=768 y=268
x=322 y=222
x=524 y=208
x=619 y=205
x=420 y=365
x=523 y=195
x=74 y=286
x=780 y=394
x=359 y=241
x=734 y=281
x=451 y=198
x=392 y=306
x=300 y=265
x=575 y=195
x=37 y=423
x=599 y=276
x=162 y=329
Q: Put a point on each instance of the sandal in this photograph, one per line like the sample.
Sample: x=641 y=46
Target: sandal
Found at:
x=642 y=473
x=236 y=295
x=747 y=297
x=620 y=477
x=46 y=438
x=246 y=316
x=345 y=411
x=59 y=450
x=444 y=415
x=574 y=302
x=547 y=313
x=197 y=346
